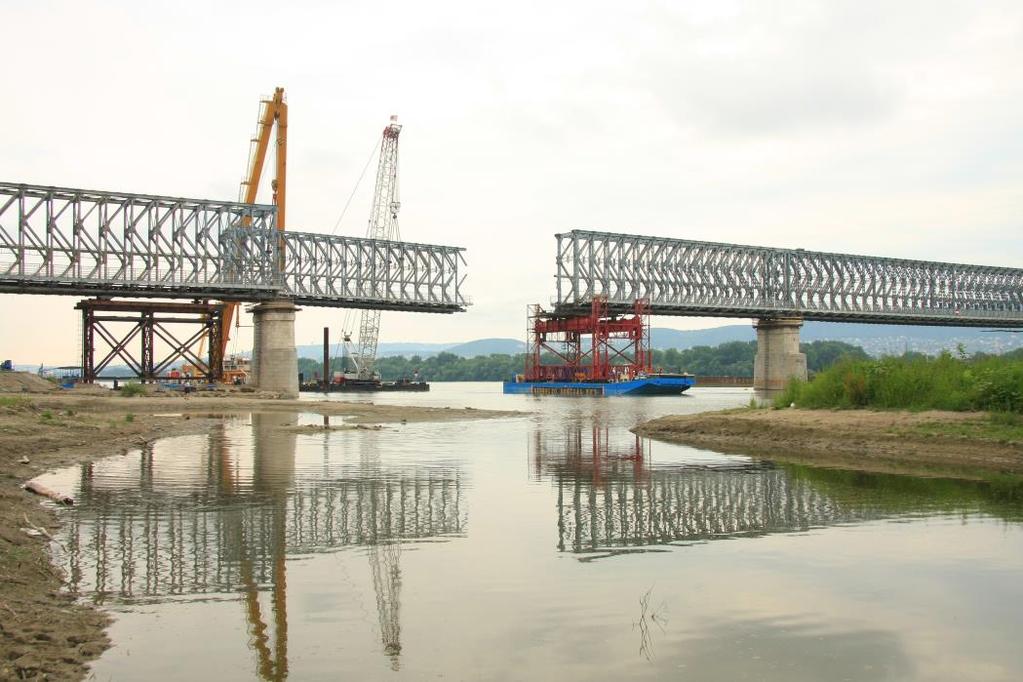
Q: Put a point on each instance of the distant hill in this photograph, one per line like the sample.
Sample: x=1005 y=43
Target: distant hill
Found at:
x=876 y=339
x=488 y=347
x=663 y=338
x=384 y=350
x=469 y=349
x=893 y=339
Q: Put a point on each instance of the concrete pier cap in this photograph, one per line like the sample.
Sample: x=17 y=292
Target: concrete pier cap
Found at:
x=778 y=359
x=274 y=358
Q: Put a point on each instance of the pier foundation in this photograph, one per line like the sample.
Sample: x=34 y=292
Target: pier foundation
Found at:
x=274 y=359
x=778 y=357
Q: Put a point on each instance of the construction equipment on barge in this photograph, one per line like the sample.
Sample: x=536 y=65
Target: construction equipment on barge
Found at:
x=616 y=361
x=383 y=225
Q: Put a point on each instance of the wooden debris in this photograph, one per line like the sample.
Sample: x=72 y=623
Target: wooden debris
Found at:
x=40 y=489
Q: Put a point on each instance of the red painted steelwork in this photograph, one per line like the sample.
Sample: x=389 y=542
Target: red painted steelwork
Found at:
x=618 y=347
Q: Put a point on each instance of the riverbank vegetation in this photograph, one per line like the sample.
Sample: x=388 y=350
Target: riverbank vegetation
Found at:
x=917 y=382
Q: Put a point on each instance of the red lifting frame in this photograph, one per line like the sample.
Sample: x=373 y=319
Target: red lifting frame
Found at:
x=618 y=349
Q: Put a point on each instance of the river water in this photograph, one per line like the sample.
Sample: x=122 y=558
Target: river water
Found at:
x=552 y=546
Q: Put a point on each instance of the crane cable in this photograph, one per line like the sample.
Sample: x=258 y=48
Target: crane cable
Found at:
x=347 y=320
x=351 y=196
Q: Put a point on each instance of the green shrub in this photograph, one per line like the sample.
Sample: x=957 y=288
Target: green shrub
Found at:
x=133 y=389
x=914 y=382
x=129 y=417
x=790 y=395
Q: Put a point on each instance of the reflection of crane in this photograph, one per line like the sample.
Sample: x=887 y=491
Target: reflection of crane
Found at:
x=384 y=561
x=272 y=657
x=384 y=554
x=271 y=110
x=383 y=224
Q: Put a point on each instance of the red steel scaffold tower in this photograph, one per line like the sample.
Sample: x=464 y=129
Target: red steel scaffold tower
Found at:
x=598 y=347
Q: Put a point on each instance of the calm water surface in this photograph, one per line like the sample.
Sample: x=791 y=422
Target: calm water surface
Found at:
x=552 y=546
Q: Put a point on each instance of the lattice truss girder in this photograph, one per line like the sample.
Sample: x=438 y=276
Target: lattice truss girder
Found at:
x=684 y=277
x=69 y=241
x=66 y=238
x=363 y=272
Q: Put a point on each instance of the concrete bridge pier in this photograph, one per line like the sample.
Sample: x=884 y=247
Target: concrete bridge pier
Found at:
x=274 y=359
x=778 y=358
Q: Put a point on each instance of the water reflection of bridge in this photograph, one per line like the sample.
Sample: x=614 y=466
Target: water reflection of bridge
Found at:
x=612 y=498
x=150 y=528
x=158 y=543
x=189 y=546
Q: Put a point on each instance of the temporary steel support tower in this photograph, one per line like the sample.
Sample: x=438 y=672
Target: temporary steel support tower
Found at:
x=120 y=325
x=383 y=226
x=619 y=347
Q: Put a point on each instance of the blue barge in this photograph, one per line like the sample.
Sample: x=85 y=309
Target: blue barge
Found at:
x=654 y=384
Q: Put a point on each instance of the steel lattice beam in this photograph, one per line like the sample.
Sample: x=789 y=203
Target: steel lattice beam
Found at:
x=57 y=240
x=684 y=277
x=351 y=272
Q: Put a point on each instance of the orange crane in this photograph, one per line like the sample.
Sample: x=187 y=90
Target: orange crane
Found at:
x=271 y=111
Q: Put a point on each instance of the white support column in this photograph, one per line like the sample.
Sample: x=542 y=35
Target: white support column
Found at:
x=778 y=357
x=274 y=359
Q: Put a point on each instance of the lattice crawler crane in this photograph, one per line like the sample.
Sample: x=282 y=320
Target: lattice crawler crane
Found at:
x=383 y=224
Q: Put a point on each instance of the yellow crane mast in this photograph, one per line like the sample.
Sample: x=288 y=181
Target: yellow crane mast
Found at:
x=272 y=111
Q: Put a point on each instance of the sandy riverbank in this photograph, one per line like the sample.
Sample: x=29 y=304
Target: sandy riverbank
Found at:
x=44 y=634
x=959 y=444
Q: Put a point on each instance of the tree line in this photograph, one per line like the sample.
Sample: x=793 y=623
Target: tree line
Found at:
x=733 y=359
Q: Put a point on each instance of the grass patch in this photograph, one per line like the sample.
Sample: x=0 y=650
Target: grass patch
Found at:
x=989 y=383
x=133 y=389
x=1001 y=427
x=46 y=416
x=129 y=417
x=13 y=402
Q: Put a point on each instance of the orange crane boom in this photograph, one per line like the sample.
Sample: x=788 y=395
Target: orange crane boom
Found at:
x=273 y=110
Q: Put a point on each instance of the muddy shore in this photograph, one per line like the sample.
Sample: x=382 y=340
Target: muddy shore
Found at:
x=44 y=633
x=957 y=444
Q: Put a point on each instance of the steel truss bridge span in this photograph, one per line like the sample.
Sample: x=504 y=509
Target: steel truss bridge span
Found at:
x=56 y=240
x=685 y=277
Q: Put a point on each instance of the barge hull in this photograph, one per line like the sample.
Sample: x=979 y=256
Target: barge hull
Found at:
x=368 y=387
x=647 y=386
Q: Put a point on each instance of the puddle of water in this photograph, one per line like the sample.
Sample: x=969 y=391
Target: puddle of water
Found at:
x=555 y=546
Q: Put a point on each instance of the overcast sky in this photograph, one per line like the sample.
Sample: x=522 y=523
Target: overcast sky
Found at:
x=889 y=128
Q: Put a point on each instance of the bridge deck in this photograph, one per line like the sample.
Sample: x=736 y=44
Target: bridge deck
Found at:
x=64 y=241
x=684 y=277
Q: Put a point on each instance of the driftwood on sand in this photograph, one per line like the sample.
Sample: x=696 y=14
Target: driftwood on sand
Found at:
x=40 y=489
